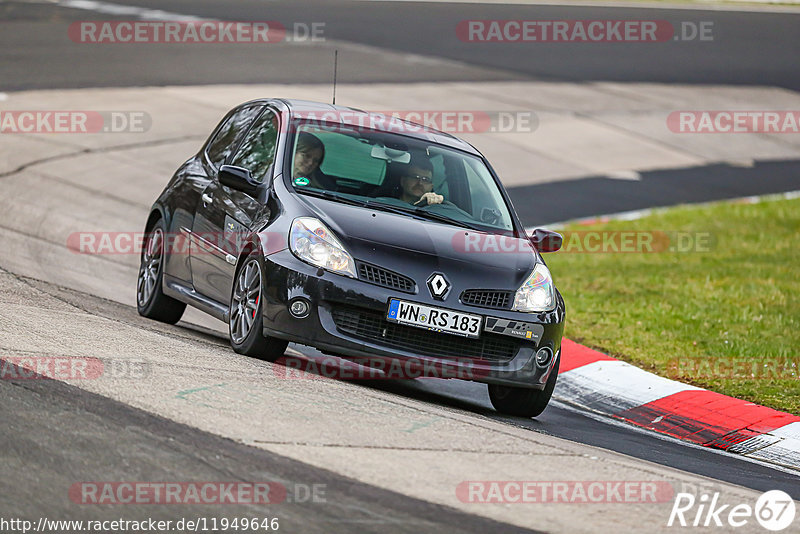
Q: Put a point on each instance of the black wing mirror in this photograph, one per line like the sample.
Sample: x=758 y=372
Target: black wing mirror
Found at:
x=546 y=240
x=237 y=178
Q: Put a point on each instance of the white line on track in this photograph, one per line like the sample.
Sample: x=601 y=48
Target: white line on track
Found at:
x=785 y=6
x=157 y=14
x=107 y=8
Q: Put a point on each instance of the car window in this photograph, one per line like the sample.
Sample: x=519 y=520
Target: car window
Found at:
x=257 y=152
x=230 y=133
x=440 y=184
x=359 y=164
x=486 y=201
x=348 y=157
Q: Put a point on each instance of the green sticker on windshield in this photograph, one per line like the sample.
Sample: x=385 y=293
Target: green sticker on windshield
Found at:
x=302 y=181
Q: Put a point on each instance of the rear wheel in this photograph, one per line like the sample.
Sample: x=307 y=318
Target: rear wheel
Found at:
x=151 y=302
x=245 y=324
x=523 y=402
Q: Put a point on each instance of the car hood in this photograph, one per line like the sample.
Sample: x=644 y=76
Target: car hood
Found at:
x=418 y=247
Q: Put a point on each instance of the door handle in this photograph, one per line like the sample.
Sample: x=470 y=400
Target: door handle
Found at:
x=207 y=199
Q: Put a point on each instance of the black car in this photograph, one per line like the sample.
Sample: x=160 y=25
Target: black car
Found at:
x=363 y=236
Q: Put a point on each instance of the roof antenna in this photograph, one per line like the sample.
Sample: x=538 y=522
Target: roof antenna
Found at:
x=335 y=66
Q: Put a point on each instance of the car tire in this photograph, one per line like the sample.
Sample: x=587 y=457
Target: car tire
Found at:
x=523 y=402
x=151 y=302
x=245 y=323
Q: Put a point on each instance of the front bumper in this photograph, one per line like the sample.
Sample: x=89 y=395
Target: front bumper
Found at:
x=347 y=318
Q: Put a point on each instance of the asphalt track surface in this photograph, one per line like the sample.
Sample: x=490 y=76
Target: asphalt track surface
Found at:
x=61 y=447
x=561 y=422
x=88 y=434
x=417 y=42
x=601 y=195
x=753 y=48
x=741 y=55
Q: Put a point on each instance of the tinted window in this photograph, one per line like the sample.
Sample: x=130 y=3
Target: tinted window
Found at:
x=396 y=170
x=257 y=153
x=347 y=156
x=230 y=133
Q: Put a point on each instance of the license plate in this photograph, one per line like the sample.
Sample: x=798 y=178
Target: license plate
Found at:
x=436 y=319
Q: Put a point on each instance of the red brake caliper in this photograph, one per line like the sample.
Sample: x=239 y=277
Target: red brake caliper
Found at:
x=254 y=311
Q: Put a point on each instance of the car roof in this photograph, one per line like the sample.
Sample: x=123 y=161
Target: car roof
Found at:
x=379 y=121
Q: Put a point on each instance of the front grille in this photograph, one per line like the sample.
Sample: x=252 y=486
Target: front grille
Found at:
x=488 y=298
x=382 y=277
x=372 y=326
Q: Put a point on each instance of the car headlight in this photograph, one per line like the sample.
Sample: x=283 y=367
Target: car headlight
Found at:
x=313 y=243
x=538 y=293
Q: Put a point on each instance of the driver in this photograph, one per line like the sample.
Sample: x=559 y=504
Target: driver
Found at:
x=416 y=183
x=307 y=158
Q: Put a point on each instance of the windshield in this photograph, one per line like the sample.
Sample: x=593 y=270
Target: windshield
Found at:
x=396 y=173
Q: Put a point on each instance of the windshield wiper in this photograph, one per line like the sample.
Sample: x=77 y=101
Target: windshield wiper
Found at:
x=417 y=212
x=445 y=219
x=327 y=195
x=397 y=210
x=429 y=215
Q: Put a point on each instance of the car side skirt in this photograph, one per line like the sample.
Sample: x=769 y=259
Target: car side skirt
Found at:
x=179 y=290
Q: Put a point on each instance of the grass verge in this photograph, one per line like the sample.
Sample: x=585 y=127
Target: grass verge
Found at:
x=715 y=304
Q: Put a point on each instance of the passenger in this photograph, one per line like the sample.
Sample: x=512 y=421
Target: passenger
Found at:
x=416 y=183
x=308 y=157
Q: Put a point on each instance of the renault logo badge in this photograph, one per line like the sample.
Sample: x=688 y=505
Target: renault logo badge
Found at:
x=438 y=286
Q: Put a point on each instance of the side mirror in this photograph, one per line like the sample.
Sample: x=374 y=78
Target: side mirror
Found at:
x=237 y=178
x=546 y=240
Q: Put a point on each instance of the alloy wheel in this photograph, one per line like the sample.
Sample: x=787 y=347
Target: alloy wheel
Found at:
x=246 y=297
x=151 y=263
